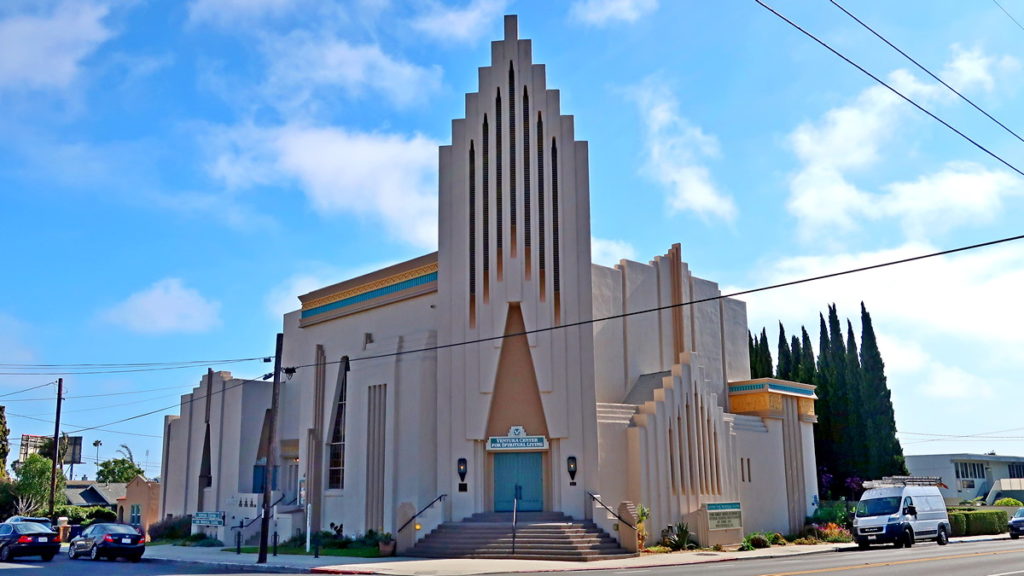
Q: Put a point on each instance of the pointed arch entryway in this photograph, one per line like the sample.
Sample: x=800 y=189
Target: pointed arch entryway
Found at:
x=522 y=475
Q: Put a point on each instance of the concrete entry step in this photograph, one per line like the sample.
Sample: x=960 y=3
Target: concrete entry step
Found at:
x=538 y=536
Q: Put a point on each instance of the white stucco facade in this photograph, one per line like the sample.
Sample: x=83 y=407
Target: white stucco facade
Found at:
x=458 y=355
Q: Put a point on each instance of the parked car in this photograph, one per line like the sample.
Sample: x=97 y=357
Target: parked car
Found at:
x=44 y=521
x=108 y=540
x=27 y=539
x=1016 y=524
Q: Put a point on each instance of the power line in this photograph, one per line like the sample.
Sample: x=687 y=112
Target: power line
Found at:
x=1008 y=14
x=133 y=364
x=927 y=71
x=95 y=428
x=127 y=370
x=680 y=304
x=891 y=89
x=27 y=389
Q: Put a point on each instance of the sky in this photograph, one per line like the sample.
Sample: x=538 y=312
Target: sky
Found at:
x=174 y=174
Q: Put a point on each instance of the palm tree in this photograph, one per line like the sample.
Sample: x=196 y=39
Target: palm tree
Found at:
x=125 y=451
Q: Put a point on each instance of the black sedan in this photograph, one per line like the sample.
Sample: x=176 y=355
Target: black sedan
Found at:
x=108 y=541
x=27 y=539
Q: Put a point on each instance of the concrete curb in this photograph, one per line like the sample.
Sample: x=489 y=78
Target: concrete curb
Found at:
x=268 y=568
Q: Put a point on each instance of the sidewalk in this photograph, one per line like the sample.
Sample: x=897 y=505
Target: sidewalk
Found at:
x=402 y=566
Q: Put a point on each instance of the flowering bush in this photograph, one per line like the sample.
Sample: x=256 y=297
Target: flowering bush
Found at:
x=829 y=532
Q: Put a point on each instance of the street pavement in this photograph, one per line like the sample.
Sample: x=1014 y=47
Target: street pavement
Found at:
x=408 y=566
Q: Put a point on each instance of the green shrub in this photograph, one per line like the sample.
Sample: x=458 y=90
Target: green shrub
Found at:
x=197 y=537
x=208 y=543
x=175 y=528
x=759 y=541
x=958 y=523
x=777 y=539
x=986 y=522
x=1008 y=502
x=807 y=541
x=678 y=537
x=833 y=511
x=657 y=549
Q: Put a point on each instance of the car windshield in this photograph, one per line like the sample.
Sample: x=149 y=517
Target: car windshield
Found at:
x=31 y=528
x=1020 y=513
x=116 y=529
x=878 y=506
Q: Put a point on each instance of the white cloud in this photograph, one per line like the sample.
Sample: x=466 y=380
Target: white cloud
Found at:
x=609 y=252
x=228 y=12
x=972 y=69
x=675 y=151
x=850 y=139
x=168 y=306
x=602 y=12
x=389 y=177
x=465 y=24
x=303 y=66
x=45 y=51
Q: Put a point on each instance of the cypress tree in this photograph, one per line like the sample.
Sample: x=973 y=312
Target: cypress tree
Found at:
x=765 y=353
x=823 y=437
x=886 y=454
x=795 y=357
x=5 y=445
x=859 y=440
x=807 y=374
x=785 y=367
x=840 y=403
x=755 y=368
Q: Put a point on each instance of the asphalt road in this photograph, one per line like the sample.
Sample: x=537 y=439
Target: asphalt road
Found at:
x=61 y=565
x=995 y=558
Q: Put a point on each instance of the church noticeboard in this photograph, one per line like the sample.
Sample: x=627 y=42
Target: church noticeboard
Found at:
x=517 y=439
x=724 y=516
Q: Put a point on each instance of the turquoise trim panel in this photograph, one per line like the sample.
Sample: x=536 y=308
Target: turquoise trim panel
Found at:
x=746 y=388
x=791 y=389
x=724 y=506
x=393 y=289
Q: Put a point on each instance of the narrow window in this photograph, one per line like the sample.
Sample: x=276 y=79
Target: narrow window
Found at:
x=472 y=235
x=499 y=201
x=487 y=214
x=336 y=460
x=512 y=155
x=554 y=229
x=541 y=252
x=526 y=181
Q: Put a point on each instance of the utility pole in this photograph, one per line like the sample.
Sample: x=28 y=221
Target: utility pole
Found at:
x=56 y=444
x=268 y=469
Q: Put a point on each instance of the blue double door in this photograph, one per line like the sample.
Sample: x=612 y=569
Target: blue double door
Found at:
x=519 y=475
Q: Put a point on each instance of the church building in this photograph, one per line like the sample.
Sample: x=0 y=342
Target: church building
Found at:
x=506 y=371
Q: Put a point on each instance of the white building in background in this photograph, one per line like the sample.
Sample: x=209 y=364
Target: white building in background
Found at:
x=475 y=371
x=970 y=476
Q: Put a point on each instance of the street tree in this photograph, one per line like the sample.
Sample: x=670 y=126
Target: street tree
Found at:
x=118 y=470
x=32 y=488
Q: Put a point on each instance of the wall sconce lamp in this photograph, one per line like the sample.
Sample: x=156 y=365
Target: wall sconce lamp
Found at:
x=570 y=463
x=463 y=467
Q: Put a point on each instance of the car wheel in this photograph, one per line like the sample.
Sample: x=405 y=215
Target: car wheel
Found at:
x=135 y=558
x=71 y=552
x=908 y=537
x=1014 y=536
x=5 y=554
x=94 y=553
x=47 y=557
x=942 y=539
x=863 y=545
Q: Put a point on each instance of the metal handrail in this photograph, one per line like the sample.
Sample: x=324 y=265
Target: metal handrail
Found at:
x=241 y=523
x=613 y=512
x=422 y=510
x=515 y=511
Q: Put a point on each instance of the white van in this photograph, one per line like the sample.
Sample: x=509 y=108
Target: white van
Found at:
x=900 y=512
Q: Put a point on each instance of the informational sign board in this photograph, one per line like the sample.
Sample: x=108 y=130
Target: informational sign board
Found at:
x=517 y=439
x=724 y=516
x=208 y=518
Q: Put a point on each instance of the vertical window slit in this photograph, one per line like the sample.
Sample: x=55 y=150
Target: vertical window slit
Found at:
x=499 y=203
x=554 y=230
x=487 y=213
x=541 y=218
x=526 y=183
x=472 y=235
x=512 y=157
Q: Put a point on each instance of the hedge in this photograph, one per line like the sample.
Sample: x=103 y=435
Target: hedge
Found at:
x=958 y=523
x=986 y=522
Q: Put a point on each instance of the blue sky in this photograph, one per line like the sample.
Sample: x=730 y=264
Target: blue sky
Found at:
x=173 y=174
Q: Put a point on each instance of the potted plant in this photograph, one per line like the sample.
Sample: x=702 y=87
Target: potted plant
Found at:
x=386 y=544
x=642 y=514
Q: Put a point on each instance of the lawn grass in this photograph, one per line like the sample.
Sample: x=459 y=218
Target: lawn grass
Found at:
x=301 y=551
